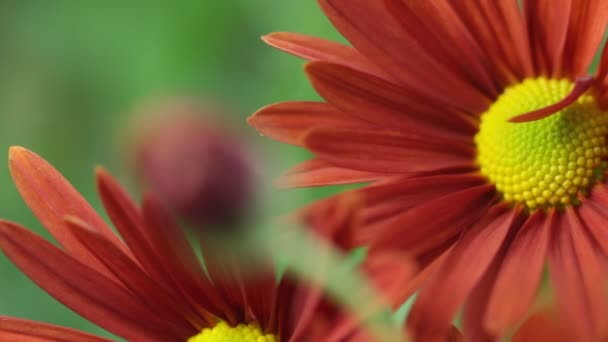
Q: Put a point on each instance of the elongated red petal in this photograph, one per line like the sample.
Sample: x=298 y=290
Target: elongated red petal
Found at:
x=16 y=329
x=318 y=49
x=387 y=105
x=519 y=275
x=463 y=268
x=80 y=287
x=548 y=22
x=184 y=321
x=288 y=122
x=376 y=33
x=579 y=279
x=51 y=197
x=317 y=172
x=432 y=223
x=387 y=152
x=580 y=87
x=585 y=32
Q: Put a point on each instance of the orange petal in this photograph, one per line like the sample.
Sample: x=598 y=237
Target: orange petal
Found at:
x=288 y=122
x=317 y=172
x=318 y=49
x=542 y=326
x=51 y=197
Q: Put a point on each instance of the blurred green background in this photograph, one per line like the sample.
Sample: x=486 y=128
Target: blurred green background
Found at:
x=71 y=73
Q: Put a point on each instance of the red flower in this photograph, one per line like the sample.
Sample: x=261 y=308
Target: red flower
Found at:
x=151 y=287
x=485 y=144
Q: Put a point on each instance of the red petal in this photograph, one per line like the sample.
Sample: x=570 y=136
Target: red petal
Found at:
x=387 y=105
x=51 y=197
x=81 y=288
x=317 y=49
x=548 y=22
x=16 y=329
x=288 y=122
x=542 y=326
x=387 y=152
x=431 y=224
x=587 y=27
x=316 y=172
x=439 y=300
x=391 y=272
x=580 y=87
x=137 y=281
x=519 y=275
x=579 y=279
x=376 y=33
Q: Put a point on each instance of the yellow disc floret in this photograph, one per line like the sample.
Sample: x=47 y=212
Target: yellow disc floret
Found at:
x=222 y=332
x=547 y=162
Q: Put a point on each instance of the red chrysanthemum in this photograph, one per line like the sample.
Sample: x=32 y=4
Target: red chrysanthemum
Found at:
x=149 y=286
x=485 y=141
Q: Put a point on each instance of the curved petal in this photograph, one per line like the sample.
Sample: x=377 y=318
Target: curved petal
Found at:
x=80 y=287
x=16 y=329
x=542 y=326
x=318 y=49
x=375 y=32
x=317 y=172
x=288 y=122
x=520 y=274
x=387 y=152
x=384 y=104
x=448 y=288
x=51 y=197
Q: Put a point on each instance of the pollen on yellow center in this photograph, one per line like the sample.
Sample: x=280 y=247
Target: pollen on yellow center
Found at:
x=547 y=162
x=222 y=332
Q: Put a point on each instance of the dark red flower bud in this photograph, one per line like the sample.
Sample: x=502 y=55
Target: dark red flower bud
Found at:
x=198 y=167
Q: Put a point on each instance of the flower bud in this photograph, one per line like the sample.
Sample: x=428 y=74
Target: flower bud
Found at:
x=198 y=167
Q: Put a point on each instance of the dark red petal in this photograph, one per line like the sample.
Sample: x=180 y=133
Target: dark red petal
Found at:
x=390 y=272
x=288 y=122
x=579 y=279
x=581 y=85
x=548 y=22
x=16 y=329
x=80 y=287
x=186 y=322
x=317 y=172
x=318 y=49
x=387 y=105
x=519 y=275
x=585 y=33
x=388 y=152
x=448 y=288
x=51 y=197
x=376 y=33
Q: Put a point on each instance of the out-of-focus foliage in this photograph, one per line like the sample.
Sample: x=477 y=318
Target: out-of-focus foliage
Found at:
x=71 y=73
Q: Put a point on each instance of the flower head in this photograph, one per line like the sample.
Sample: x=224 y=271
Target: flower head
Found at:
x=483 y=142
x=149 y=285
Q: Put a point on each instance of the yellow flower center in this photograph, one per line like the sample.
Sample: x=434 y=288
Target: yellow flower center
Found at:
x=547 y=162
x=222 y=332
